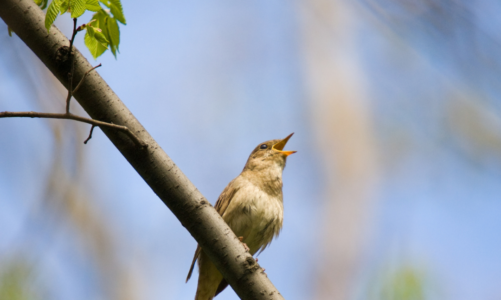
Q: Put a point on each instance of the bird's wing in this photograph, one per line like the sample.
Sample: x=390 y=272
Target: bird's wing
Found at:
x=197 y=254
x=221 y=287
x=221 y=205
x=224 y=199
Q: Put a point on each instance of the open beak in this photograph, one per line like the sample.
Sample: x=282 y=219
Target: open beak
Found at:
x=280 y=146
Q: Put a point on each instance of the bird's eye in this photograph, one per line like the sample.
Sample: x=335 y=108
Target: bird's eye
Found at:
x=263 y=146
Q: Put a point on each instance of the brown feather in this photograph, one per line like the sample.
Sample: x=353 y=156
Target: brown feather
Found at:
x=225 y=198
x=197 y=255
x=221 y=205
x=221 y=287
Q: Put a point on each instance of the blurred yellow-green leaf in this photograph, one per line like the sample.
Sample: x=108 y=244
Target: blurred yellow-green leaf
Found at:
x=92 y=5
x=94 y=46
x=63 y=5
x=77 y=8
x=52 y=13
x=113 y=35
x=16 y=281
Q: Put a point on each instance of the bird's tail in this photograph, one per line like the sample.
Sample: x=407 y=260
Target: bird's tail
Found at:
x=208 y=279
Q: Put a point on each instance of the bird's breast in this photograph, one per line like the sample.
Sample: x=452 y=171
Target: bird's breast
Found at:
x=255 y=215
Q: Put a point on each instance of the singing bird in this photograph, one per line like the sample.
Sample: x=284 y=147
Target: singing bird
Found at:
x=252 y=205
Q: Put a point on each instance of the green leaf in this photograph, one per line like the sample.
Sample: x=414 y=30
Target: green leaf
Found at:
x=77 y=8
x=106 y=25
x=90 y=31
x=96 y=33
x=52 y=13
x=101 y=38
x=105 y=2
x=114 y=35
x=10 y=30
x=114 y=31
x=100 y=17
x=117 y=11
x=43 y=5
x=64 y=5
x=92 y=5
x=103 y=20
x=95 y=47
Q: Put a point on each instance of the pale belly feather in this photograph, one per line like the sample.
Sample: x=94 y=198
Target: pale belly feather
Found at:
x=257 y=218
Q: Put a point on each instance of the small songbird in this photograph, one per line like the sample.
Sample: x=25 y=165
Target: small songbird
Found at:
x=252 y=205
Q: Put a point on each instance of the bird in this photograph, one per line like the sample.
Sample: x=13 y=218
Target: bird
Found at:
x=252 y=206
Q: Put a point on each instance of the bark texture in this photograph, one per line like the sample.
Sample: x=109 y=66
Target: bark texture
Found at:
x=194 y=212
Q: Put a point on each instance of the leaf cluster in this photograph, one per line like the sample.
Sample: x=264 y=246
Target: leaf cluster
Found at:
x=102 y=31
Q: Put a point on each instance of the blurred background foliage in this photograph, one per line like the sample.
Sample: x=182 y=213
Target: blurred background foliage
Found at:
x=394 y=191
x=17 y=280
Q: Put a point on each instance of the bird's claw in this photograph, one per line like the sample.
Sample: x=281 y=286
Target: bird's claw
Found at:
x=241 y=238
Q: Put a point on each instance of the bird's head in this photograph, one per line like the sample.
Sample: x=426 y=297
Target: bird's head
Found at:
x=269 y=154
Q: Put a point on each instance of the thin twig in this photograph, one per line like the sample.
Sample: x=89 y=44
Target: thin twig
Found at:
x=70 y=87
x=82 y=80
x=72 y=62
x=68 y=116
x=90 y=134
x=74 y=32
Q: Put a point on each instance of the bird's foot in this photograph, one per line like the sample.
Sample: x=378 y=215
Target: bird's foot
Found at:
x=241 y=238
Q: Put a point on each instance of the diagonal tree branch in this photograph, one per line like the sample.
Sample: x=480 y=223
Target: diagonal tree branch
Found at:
x=152 y=163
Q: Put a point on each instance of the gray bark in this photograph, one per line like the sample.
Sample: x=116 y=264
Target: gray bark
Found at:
x=194 y=212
